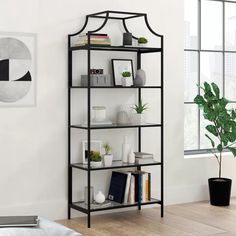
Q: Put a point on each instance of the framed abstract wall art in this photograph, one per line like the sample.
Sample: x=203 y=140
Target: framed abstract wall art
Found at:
x=17 y=69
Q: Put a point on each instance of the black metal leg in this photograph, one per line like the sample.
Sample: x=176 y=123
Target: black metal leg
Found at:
x=89 y=220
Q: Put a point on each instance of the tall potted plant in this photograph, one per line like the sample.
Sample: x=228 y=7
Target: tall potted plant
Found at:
x=221 y=132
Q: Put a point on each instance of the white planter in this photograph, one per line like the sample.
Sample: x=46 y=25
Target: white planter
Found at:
x=143 y=45
x=126 y=81
x=96 y=163
x=107 y=159
x=139 y=119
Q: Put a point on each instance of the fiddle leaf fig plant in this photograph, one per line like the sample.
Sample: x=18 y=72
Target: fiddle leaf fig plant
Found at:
x=222 y=121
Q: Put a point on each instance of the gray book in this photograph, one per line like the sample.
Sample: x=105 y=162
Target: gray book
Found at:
x=19 y=221
x=143 y=155
x=141 y=161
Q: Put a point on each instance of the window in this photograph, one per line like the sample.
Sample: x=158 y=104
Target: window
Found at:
x=210 y=55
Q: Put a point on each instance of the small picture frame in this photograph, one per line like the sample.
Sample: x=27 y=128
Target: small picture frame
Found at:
x=95 y=145
x=118 y=67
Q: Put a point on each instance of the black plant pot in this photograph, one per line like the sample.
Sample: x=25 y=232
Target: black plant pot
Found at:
x=220 y=190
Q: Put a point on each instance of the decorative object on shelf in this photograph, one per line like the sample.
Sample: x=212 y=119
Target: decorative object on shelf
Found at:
x=17 y=69
x=139 y=116
x=86 y=194
x=96 y=71
x=125 y=150
x=122 y=118
x=143 y=158
x=107 y=157
x=126 y=79
x=222 y=123
x=140 y=78
x=131 y=157
x=95 y=40
x=95 y=145
x=118 y=67
x=99 y=197
x=142 y=41
x=99 y=113
x=98 y=80
x=95 y=159
x=127 y=39
x=105 y=204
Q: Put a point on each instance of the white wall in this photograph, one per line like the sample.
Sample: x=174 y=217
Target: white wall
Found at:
x=33 y=150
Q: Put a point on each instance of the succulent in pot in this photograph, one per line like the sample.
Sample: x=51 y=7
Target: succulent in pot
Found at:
x=107 y=157
x=139 y=116
x=221 y=133
x=95 y=159
x=126 y=79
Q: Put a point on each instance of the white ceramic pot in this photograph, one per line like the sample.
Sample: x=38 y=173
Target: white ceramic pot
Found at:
x=96 y=163
x=126 y=81
x=142 y=44
x=100 y=197
x=107 y=159
x=139 y=118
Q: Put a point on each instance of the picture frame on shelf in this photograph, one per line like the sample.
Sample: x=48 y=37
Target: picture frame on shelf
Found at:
x=95 y=145
x=118 y=67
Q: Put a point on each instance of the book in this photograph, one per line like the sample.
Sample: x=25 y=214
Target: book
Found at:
x=93 y=34
x=127 y=187
x=117 y=187
x=131 y=190
x=143 y=155
x=141 y=161
x=19 y=221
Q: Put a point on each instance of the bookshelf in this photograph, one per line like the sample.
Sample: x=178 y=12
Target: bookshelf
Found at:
x=80 y=205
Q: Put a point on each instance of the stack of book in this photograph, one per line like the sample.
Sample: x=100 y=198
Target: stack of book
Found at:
x=143 y=158
x=129 y=187
x=95 y=40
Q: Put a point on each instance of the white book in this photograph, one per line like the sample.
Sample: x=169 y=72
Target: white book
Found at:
x=131 y=190
x=127 y=187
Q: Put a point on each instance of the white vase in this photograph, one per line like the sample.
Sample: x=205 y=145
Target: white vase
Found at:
x=96 y=163
x=139 y=118
x=99 y=197
x=107 y=159
x=126 y=81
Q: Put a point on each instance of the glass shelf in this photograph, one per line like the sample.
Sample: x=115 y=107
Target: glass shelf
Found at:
x=115 y=126
x=115 y=165
x=120 y=48
x=117 y=87
x=81 y=206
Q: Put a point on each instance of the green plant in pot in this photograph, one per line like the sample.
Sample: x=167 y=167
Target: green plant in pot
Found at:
x=139 y=116
x=107 y=157
x=126 y=79
x=221 y=133
x=95 y=159
x=142 y=41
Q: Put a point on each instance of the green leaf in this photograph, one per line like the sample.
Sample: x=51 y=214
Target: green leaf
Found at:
x=223 y=102
x=220 y=148
x=212 y=130
x=199 y=100
x=212 y=142
x=216 y=90
x=207 y=87
x=233 y=150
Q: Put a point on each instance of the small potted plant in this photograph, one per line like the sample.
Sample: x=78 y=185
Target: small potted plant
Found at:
x=221 y=132
x=107 y=157
x=95 y=159
x=139 y=108
x=126 y=79
x=142 y=41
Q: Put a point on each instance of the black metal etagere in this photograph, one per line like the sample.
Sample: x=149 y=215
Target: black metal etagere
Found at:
x=122 y=16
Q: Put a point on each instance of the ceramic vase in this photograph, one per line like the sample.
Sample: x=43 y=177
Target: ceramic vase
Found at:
x=126 y=81
x=140 y=79
x=99 y=197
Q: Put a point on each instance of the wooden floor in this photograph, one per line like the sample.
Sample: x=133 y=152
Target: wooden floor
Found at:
x=186 y=219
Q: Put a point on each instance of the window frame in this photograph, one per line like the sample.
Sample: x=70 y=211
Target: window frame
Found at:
x=199 y=50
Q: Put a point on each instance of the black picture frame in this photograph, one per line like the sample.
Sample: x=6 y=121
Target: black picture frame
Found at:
x=116 y=71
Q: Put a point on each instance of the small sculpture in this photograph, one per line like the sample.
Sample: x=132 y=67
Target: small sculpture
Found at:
x=99 y=198
x=140 y=79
